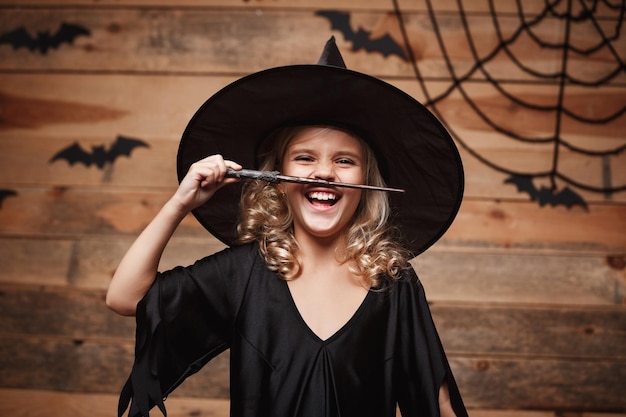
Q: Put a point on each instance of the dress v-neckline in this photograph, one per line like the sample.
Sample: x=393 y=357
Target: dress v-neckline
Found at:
x=341 y=329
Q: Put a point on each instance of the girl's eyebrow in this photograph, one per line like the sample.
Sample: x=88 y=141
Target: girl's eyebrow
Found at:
x=300 y=150
x=340 y=152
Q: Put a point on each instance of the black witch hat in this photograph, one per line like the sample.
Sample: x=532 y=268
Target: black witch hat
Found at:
x=413 y=149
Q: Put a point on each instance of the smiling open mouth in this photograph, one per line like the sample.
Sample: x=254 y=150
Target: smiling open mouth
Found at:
x=322 y=198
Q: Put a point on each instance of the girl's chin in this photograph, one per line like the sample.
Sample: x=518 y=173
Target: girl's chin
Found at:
x=322 y=229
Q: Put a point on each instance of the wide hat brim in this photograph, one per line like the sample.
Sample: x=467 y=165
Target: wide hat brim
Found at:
x=414 y=150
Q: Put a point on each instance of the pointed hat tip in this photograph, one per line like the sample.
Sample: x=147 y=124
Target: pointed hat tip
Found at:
x=331 y=55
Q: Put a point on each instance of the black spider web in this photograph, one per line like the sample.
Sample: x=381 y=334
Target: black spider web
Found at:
x=562 y=78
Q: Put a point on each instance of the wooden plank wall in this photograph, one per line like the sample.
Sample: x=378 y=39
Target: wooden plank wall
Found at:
x=529 y=300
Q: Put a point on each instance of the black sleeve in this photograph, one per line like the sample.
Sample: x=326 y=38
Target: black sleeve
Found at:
x=183 y=322
x=422 y=366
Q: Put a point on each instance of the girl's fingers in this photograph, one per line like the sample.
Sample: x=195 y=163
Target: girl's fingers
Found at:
x=214 y=170
x=203 y=179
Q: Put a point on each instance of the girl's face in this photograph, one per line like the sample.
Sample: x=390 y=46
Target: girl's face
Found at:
x=328 y=154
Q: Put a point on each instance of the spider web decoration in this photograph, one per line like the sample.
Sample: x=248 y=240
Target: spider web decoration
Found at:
x=567 y=81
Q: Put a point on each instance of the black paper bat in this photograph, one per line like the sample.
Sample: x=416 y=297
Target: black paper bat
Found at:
x=385 y=44
x=545 y=195
x=6 y=193
x=44 y=40
x=99 y=156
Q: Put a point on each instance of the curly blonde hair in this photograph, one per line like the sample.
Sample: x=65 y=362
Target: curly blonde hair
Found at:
x=372 y=244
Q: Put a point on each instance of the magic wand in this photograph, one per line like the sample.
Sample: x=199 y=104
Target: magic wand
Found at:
x=275 y=177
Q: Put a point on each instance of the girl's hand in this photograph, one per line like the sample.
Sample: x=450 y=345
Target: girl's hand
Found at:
x=203 y=179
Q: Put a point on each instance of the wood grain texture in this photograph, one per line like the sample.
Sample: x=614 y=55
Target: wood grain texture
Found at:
x=566 y=332
x=531 y=277
x=509 y=224
x=94 y=110
x=90 y=365
x=193 y=41
x=63 y=211
x=54 y=339
x=531 y=6
x=461 y=274
x=541 y=384
x=486 y=382
x=529 y=301
x=42 y=403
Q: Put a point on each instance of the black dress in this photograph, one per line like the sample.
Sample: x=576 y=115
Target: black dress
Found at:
x=388 y=353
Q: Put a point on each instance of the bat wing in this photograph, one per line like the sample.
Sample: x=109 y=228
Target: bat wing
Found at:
x=123 y=146
x=567 y=197
x=72 y=154
x=361 y=39
x=546 y=195
x=19 y=38
x=67 y=33
x=6 y=193
x=385 y=45
x=338 y=21
x=524 y=183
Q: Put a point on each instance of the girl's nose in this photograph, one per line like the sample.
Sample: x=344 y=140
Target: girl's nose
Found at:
x=324 y=171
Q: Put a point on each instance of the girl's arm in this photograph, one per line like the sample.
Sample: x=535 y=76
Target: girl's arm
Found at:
x=138 y=267
x=445 y=407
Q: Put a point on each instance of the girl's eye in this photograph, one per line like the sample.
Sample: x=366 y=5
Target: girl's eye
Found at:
x=303 y=158
x=345 y=161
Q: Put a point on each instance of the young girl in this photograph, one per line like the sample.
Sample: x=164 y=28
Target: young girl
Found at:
x=315 y=298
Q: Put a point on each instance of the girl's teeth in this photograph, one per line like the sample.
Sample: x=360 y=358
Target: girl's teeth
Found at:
x=322 y=196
